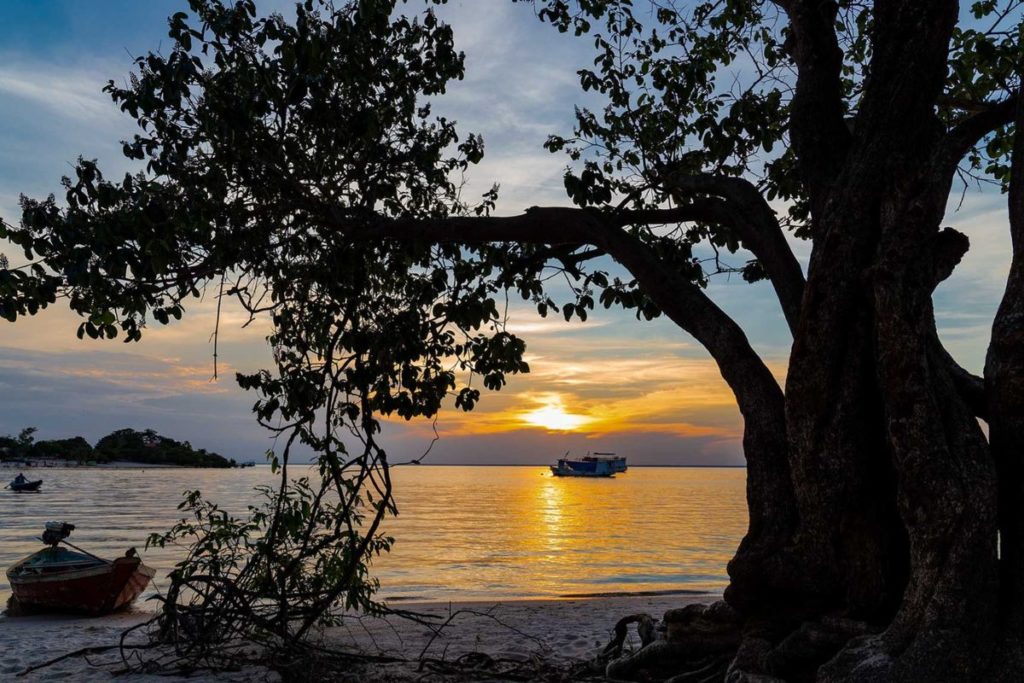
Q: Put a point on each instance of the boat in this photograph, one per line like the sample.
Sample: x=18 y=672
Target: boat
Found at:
x=582 y=468
x=73 y=580
x=617 y=463
x=21 y=484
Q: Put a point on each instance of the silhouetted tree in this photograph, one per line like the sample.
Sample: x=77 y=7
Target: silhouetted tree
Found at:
x=298 y=166
x=150 y=447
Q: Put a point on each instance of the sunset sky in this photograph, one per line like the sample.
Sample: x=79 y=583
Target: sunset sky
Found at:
x=645 y=390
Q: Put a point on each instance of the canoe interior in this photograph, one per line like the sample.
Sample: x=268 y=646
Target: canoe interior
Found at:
x=53 y=561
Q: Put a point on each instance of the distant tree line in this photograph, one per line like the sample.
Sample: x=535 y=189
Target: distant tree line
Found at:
x=126 y=445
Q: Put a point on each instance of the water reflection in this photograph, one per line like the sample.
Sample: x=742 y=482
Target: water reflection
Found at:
x=462 y=532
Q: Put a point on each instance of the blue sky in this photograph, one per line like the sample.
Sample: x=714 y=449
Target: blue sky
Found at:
x=520 y=87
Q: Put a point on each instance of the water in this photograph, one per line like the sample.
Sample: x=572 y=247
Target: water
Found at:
x=489 y=533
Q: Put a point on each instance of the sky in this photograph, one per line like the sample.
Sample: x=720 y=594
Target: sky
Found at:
x=645 y=390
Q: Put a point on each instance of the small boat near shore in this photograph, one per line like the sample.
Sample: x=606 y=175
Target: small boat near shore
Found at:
x=20 y=484
x=73 y=580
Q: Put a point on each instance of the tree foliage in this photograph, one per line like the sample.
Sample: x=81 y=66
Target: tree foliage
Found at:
x=268 y=576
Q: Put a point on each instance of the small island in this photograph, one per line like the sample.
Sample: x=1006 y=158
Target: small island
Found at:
x=124 y=445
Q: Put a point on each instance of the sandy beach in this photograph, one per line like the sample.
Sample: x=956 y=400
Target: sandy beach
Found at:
x=558 y=630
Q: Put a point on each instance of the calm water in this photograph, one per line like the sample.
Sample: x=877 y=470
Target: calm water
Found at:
x=462 y=532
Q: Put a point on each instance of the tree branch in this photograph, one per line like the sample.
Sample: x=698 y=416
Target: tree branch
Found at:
x=742 y=208
x=948 y=249
x=684 y=302
x=550 y=225
x=962 y=137
x=757 y=393
x=703 y=209
x=817 y=127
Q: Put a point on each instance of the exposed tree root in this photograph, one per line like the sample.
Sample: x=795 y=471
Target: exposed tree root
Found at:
x=705 y=643
x=697 y=644
x=646 y=629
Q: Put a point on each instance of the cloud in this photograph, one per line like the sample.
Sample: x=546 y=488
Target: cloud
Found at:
x=74 y=94
x=93 y=393
x=52 y=113
x=520 y=87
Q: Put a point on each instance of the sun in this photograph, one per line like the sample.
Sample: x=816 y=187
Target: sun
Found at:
x=553 y=416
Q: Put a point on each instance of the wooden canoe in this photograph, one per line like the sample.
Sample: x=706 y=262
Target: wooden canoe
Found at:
x=59 y=579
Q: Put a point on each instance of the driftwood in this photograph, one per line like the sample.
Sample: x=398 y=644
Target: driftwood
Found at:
x=645 y=627
x=698 y=643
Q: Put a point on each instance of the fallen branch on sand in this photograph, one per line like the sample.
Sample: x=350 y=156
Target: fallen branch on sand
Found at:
x=81 y=652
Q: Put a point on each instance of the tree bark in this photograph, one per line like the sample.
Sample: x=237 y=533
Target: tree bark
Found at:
x=945 y=481
x=1004 y=383
x=945 y=478
x=891 y=473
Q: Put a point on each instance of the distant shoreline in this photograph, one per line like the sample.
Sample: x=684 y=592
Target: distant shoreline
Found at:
x=546 y=464
x=130 y=465
x=113 y=465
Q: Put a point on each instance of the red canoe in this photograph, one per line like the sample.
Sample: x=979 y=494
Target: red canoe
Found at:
x=56 y=578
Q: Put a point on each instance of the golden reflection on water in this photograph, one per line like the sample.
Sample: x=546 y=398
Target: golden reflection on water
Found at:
x=549 y=523
x=461 y=533
x=518 y=531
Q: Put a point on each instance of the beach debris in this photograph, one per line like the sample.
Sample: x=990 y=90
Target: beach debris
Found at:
x=698 y=644
x=646 y=628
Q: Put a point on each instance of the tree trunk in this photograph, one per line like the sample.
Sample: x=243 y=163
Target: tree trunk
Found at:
x=945 y=490
x=1004 y=380
x=892 y=476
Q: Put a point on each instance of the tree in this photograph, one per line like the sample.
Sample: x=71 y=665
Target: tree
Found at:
x=150 y=447
x=299 y=166
x=20 y=446
x=75 y=448
x=26 y=437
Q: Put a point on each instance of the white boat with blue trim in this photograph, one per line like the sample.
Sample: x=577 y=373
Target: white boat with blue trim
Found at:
x=596 y=465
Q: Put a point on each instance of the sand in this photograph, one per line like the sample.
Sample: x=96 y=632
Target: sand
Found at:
x=559 y=630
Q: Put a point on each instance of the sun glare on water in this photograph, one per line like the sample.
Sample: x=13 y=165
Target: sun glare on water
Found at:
x=553 y=416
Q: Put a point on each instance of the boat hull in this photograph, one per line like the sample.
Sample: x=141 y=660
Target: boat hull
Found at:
x=581 y=468
x=100 y=589
x=27 y=486
x=563 y=473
